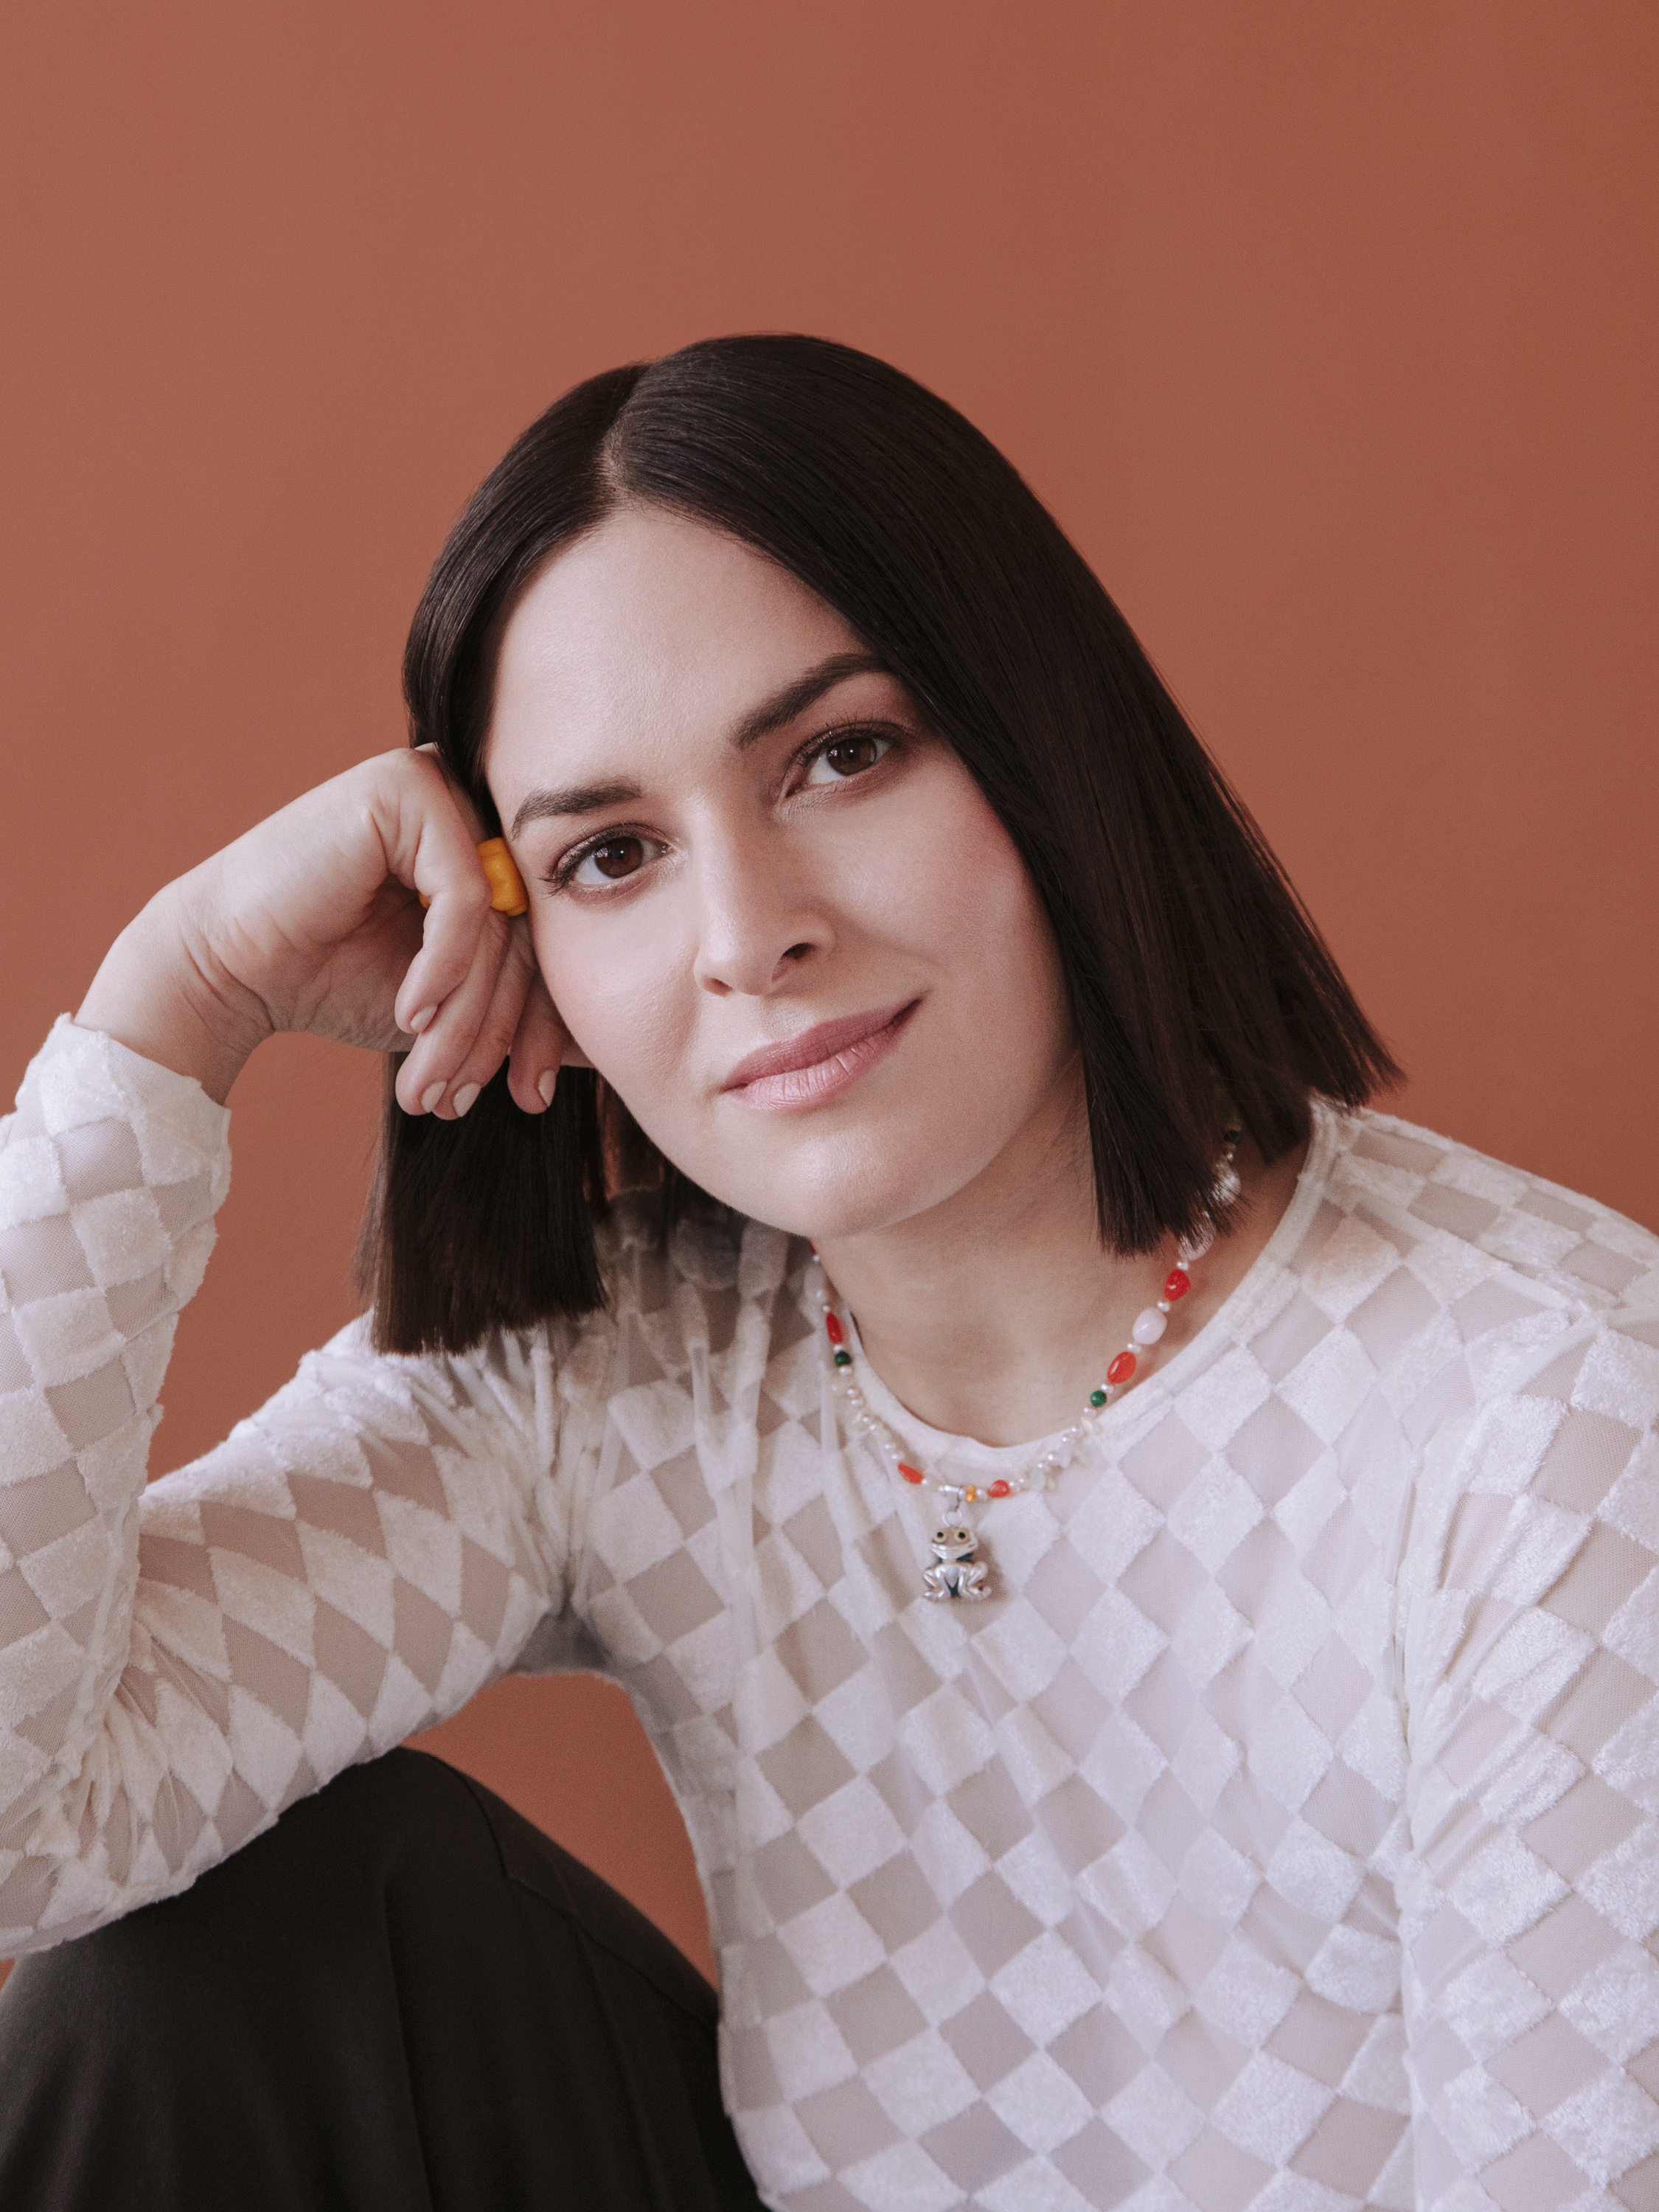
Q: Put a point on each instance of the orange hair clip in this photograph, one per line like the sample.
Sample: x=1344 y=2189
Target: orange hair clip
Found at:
x=506 y=891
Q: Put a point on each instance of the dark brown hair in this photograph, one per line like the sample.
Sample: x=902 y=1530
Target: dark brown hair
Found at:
x=1188 y=959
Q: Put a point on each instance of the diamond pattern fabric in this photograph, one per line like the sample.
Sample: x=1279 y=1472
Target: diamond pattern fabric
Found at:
x=1283 y=1833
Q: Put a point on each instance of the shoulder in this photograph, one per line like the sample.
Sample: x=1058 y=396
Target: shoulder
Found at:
x=1509 y=1221
x=1495 y=1303
x=511 y=1380
x=1407 y=1233
x=680 y=1283
x=1530 y=1394
x=693 y=1271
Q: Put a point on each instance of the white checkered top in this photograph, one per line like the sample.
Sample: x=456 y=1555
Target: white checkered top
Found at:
x=1282 y=1834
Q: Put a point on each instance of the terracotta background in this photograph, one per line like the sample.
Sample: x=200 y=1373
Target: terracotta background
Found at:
x=1328 y=331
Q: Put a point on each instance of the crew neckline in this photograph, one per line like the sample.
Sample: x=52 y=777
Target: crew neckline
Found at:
x=1119 y=1422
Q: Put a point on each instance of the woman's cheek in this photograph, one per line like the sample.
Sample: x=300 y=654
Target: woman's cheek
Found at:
x=615 y=995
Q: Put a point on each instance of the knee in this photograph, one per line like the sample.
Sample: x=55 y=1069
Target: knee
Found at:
x=307 y=1888
x=370 y=1812
x=192 y=2032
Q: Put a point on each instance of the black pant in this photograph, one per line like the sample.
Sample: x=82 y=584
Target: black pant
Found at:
x=402 y=1996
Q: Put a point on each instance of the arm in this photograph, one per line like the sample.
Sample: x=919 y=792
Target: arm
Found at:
x=147 y=1725
x=177 y=1664
x=1530 y=1898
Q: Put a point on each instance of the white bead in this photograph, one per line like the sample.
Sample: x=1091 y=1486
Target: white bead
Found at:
x=1150 y=1325
x=1194 y=1248
x=1227 y=1185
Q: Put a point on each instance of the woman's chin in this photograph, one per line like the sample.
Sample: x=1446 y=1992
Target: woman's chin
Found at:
x=841 y=1198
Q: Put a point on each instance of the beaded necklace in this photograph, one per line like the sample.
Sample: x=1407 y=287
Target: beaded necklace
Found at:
x=955 y=1573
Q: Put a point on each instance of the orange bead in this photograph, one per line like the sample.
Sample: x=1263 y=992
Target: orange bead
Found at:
x=998 y=1489
x=837 y=1334
x=506 y=890
x=911 y=1474
x=1120 y=1369
x=1176 y=1283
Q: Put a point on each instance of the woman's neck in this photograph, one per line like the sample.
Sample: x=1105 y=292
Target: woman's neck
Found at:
x=994 y=1314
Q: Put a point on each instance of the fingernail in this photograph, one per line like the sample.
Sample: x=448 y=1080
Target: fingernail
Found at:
x=429 y=1098
x=545 y=1084
x=418 y=1022
x=464 y=1096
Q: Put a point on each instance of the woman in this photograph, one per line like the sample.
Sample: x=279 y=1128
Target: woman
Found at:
x=1240 y=1795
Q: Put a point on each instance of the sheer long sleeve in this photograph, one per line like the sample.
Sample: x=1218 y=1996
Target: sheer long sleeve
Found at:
x=179 y=1662
x=1530 y=1897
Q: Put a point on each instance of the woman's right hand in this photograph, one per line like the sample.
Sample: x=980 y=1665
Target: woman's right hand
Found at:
x=312 y=921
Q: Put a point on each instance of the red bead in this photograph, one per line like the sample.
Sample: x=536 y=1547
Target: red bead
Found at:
x=998 y=1489
x=1176 y=1283
x=837 y=1334
x=1120 y=1369
x=911 y=1474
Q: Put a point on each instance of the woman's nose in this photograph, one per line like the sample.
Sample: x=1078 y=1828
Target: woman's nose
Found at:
x=759 y=922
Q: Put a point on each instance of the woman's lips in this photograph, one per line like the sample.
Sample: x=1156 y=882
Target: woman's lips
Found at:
x=820 y=1062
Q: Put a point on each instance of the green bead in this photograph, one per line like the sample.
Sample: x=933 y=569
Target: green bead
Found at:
x=1096 y=1397
x=844 y=1359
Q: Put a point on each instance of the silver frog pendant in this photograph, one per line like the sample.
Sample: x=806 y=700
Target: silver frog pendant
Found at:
x=954 y=1572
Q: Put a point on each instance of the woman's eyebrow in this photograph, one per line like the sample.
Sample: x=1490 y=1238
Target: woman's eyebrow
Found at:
x=795 y=698
x=572 y=798
x=771 y=714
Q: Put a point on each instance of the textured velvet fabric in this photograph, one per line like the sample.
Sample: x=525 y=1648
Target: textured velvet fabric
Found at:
x=1282 y=1834
x=402 y=1997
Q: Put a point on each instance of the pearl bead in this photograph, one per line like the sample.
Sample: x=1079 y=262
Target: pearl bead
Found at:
x=1149 y=1326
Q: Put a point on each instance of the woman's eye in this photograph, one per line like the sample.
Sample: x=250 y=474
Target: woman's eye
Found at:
x=847 y=756
x=614 y=860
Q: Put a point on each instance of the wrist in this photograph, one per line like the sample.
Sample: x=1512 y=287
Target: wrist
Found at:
x=160 y=991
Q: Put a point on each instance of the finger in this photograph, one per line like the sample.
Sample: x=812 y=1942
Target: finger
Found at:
x=539 y=1044
x=441 y=1064
x=431 y=845
x=499 y=1024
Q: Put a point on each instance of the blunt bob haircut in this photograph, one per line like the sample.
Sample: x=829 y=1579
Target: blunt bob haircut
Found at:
x=1191 y=966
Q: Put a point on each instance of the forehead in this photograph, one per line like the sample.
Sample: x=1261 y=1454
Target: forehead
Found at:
x=652 y=624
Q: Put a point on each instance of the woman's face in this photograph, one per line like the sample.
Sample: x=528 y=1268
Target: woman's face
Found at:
x=773 y=910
